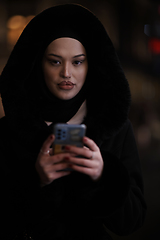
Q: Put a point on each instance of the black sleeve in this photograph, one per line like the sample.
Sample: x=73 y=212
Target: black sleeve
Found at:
x=117 y=199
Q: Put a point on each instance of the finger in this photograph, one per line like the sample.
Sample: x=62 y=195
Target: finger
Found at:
x=85 y=152
x=61 y=166
x=61 y=157
x=90 y=143
x=45 y=149
x=82 y=162
x=82 y=169
x=94 y=173
x=61 y=174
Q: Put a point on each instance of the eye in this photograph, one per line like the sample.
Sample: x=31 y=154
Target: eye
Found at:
x=54 y=62
x=78 y=62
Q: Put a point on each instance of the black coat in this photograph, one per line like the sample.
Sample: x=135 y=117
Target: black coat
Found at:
x=74 y=207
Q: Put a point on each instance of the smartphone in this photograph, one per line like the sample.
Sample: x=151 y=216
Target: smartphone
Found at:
x=68 y=134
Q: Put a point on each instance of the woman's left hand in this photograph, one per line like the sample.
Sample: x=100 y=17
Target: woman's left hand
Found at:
x=90 y=162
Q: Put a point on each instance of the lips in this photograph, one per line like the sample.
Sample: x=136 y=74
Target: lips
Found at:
x=66 y=85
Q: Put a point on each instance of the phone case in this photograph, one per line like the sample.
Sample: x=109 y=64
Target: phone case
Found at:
x=68 y=134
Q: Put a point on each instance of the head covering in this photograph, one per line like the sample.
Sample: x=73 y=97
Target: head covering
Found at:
x=106 y=88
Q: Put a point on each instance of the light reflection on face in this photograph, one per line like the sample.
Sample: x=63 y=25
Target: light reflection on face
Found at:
x=65 y=67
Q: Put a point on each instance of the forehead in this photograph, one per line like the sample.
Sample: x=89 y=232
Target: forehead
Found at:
x=66 y=44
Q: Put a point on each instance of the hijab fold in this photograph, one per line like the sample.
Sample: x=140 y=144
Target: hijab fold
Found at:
x=26 y=99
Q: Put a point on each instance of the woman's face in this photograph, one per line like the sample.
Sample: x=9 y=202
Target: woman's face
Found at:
x=65 y=67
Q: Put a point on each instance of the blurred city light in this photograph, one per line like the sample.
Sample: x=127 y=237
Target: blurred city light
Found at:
x=15 y=26
x=154 y=45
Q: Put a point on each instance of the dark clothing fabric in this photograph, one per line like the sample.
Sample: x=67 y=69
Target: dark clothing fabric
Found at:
x=74 y=207
x=26 y=100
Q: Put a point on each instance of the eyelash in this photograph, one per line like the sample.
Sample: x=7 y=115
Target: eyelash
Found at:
x=56 y=62
x=78 y=62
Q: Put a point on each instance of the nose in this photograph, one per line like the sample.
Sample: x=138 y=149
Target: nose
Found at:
x=66 y=70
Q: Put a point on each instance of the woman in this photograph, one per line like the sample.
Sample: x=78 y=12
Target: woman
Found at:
x=64 y=69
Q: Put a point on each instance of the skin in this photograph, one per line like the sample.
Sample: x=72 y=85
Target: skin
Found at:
x=48 y=165
x=65 y=59
x=67 y=67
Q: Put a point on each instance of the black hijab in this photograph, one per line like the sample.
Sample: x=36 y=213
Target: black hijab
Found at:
x=106 y=89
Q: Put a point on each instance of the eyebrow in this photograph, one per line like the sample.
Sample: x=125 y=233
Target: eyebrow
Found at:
x=55 y=55
x=80 y=55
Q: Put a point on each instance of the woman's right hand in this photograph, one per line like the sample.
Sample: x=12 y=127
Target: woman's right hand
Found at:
x=49 y=166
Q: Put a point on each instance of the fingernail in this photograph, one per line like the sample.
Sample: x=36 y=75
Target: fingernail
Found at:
x=67 y=147
x=51 y=136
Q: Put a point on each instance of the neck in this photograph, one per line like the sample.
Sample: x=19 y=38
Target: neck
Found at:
x=80 y=115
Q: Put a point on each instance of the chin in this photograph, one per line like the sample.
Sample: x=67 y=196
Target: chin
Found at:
x=67 y=96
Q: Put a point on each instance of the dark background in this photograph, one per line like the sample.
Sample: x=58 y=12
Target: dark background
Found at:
x=139 y=53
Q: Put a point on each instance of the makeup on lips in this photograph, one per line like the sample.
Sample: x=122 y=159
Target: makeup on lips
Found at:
x=66 y=85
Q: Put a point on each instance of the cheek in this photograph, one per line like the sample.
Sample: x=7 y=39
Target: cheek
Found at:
x=83 y=76
x=49 y=75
